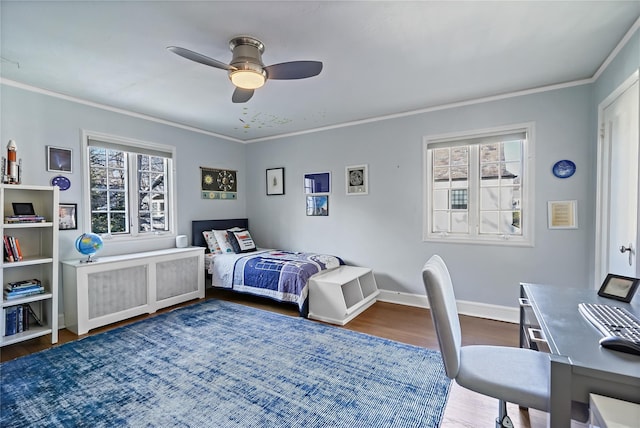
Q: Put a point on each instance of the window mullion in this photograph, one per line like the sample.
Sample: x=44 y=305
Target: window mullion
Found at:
x=132 y=199
x=474 y=186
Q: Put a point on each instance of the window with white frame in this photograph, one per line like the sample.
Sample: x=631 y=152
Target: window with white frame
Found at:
x=479 y=186
x=129 y=186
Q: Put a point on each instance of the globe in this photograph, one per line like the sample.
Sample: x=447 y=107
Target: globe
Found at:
x=89 y=244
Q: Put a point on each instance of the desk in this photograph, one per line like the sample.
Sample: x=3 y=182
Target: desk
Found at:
x=579 y=366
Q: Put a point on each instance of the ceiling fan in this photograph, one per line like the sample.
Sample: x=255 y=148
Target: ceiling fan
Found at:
x=247 y=71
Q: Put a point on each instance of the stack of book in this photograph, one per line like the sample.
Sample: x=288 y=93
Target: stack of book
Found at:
x=18 y=318
x=28 y=287
x=24 y=219
x=12 y=250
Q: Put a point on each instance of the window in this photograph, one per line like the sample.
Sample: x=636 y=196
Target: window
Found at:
x=129 y=188
x=478 y=186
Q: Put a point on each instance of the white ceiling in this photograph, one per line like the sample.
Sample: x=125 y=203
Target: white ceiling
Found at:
x=380 y=58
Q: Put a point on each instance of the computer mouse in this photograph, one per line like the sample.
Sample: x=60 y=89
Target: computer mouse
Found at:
x=620 y=344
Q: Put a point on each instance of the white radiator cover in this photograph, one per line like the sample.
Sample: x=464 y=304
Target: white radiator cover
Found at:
x=111 y=289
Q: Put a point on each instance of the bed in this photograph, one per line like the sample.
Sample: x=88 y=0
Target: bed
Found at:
x=277 y=274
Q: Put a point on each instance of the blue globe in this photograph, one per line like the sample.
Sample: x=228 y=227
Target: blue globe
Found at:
x=89 y=244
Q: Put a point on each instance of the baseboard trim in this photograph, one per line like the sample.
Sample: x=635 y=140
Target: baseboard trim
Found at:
x=473 y=309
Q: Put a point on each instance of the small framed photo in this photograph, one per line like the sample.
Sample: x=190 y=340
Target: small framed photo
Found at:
x=318 y=205
x=275 y=181
x=619 y=287
x=58 y=159
x=357 y=180
x=317 y=182
x=563 y=214
x=68 y=217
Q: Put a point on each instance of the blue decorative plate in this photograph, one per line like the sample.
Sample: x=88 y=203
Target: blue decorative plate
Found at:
x=564 y=168
x=61 y=181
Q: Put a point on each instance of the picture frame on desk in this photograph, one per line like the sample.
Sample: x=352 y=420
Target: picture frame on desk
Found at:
x=619 y=287
x=68 y=217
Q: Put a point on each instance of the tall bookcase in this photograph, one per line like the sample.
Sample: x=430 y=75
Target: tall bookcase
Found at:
x=39 y=245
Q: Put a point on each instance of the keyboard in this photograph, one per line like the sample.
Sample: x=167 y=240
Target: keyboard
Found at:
x=613 y=321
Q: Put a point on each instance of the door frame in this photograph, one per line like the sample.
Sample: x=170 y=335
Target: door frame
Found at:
x=602 y=190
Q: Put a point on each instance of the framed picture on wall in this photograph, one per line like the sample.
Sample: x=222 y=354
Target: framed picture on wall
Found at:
x=317 y=182
x=357 y=180
x=58 y=159
x=275 y=181
x=318 y=205
x=563 y=214
x=68 y=216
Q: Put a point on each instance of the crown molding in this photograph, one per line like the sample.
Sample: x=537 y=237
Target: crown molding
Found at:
x=54 y=94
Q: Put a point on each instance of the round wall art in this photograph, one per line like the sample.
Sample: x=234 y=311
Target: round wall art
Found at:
x=564 y=168
x=61 y=181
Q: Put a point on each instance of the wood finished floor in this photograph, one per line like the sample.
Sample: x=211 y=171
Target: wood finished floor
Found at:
x=395 y=322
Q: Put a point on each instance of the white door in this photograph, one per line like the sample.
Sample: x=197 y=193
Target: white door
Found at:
x=617 y=218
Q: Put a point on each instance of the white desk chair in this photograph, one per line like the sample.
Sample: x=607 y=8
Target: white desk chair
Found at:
x=514 y=375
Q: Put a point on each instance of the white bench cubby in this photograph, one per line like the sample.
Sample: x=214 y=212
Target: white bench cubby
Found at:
x=339 y=295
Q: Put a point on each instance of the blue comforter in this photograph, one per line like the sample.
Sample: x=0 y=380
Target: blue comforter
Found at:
x=280 y=275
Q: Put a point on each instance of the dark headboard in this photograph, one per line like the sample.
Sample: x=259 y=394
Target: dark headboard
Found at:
x=199 y=226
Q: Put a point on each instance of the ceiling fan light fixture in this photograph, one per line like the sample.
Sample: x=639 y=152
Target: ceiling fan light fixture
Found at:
x=246 y=69
x=247 y=79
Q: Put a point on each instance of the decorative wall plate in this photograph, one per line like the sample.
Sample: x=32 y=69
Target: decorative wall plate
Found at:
x=564 y=168
x=61 y=181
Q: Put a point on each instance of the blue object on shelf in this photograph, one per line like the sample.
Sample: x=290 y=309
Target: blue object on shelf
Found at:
x=89 y=244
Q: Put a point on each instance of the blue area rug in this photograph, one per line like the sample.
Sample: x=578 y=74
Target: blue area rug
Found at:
x=220 y=364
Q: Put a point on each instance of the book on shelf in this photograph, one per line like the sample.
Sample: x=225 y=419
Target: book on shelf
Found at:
x=18 y=248
x=15 y=247
x=20 y=323
x=13 y=252
x=11 y=320
x=18 y=319
x=24 y=219
x=10 y=294
x=8 y=254
x=23 y=284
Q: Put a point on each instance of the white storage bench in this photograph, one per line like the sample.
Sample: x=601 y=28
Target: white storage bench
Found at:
x=339 y=295
x=115 y=288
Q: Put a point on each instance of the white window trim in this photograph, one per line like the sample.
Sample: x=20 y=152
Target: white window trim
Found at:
x=528 y=189
x=134 y=235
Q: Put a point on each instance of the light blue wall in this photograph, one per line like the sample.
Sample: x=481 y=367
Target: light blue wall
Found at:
x=625 y=63
x=383 y=230
x=35 y=120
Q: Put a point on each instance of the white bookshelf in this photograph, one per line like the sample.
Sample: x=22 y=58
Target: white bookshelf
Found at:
x=39 y=245
x=339 y=295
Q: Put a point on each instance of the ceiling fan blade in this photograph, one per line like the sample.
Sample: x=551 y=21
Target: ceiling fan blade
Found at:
x=241 y=95
x=294 y=70
x=195 y=56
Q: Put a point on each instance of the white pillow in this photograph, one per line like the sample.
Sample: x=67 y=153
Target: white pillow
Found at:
x=212 y=242
x=223 y=241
